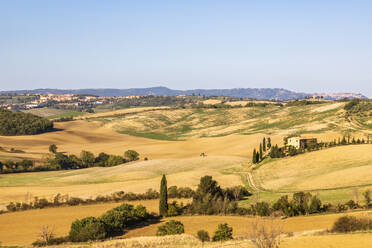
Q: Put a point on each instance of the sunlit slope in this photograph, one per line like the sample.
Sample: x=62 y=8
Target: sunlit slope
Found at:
x=135 y=177
x=345 y=166
x=193 y=123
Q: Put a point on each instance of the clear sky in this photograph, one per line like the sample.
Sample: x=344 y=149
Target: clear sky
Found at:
x=306 y=46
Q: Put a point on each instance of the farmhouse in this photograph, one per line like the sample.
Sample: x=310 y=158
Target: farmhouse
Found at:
x=302 y=142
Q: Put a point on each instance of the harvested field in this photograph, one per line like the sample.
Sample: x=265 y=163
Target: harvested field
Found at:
x=30 y=222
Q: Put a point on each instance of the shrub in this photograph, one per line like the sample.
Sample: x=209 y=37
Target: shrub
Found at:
x=203 y=236
x=172 y=227
x=87 y=229
x=122 y=217
x=346 y=224
x=117 y=219
x=224 y=232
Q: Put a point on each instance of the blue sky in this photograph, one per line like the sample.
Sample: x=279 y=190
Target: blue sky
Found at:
x=307 y=46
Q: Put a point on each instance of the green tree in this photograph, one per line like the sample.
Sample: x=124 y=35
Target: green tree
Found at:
x=264 y=144
x=172 y=227
x=53 y=148
x=254 y=157
x=163 y=201
x=114 y=160
x=301 y=202
x=367 y=197
x=223 y=233
x=268 y=142
x=131 y=155
x=87 y=159
x=206 y=195
x=261 y=153
x=315 y=205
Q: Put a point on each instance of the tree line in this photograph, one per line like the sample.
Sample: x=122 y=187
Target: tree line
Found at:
x=60 y=200
x=60 y=161
x=274 y=151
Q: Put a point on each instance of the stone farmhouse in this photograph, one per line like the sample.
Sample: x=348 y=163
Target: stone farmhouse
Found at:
x=302 y=142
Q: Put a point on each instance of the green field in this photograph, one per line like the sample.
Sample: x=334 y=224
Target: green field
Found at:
x=52 y=113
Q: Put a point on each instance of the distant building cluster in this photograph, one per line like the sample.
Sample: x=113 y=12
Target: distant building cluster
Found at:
x=29 y=101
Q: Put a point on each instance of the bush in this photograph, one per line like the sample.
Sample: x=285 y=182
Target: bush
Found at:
x=346 y=224
x=224 y=232
x=87 y=229
x=122 y=217
x=172 y=227
x=203 y=236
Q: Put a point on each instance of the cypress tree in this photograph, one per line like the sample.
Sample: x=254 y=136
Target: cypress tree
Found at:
x=261 y=154
x=264 y=144
x=269 y=143
x=257 y=157
x=163 y=201
x=254 y=156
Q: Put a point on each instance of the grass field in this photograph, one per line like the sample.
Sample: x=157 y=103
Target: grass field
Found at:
x=360 y=240
x=29 y=223
x=334 y=174
x=135 y=177
x=52 y=113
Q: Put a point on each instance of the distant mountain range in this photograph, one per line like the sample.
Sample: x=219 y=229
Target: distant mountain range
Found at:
x=254 y=93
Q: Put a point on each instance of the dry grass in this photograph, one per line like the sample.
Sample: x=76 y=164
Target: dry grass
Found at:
x=212 y=102
x=121 y=112
x=188 y=241
x=29 y=224
x=20 y=228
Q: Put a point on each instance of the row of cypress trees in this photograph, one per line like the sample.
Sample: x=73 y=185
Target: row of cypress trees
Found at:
x=259 y=154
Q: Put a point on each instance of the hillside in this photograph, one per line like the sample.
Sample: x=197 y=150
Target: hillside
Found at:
x=339 y=167
x=12 y=123
x=181 y=124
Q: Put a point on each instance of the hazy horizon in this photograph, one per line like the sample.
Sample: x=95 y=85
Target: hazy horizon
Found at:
x=186 y=89
x=310 y=47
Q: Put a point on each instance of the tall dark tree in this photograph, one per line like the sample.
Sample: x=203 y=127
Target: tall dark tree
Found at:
x=264 y=144
x=268 y=142
x=254 y=157
x=261 y=153
x=163 y=201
